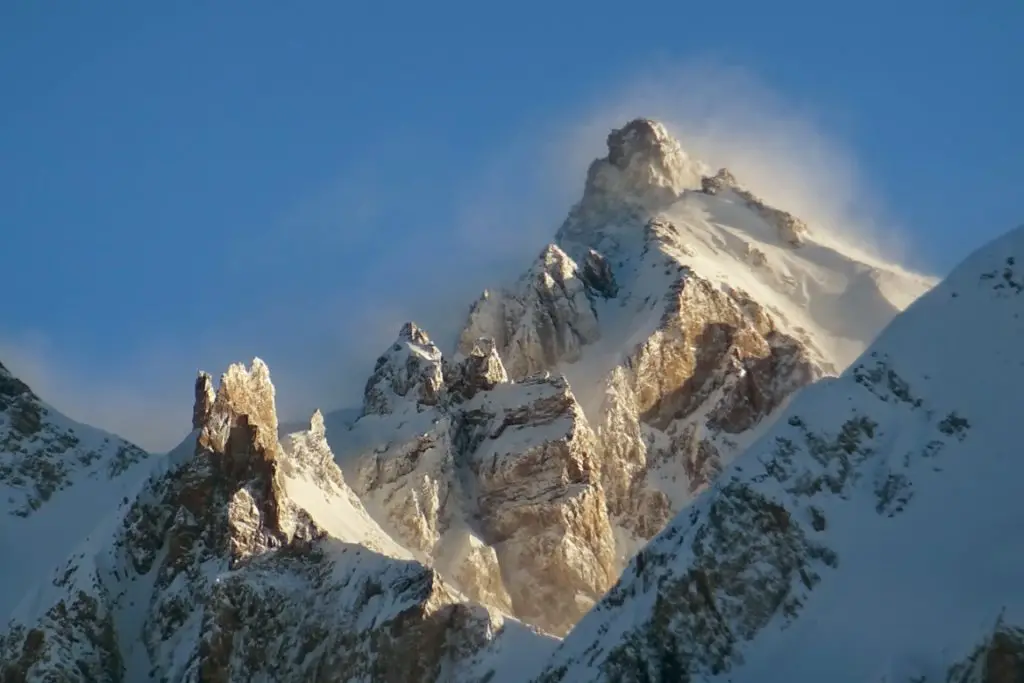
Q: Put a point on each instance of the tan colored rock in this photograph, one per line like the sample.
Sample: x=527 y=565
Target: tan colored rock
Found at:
x=541 y=505
x=501 y=491
x=409 y=371
x=480 y=370
x=546 y=318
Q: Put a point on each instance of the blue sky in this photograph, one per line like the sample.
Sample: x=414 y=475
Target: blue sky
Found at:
x=187 y=184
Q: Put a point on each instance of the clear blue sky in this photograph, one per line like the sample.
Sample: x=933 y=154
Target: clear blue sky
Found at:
x=189 y=183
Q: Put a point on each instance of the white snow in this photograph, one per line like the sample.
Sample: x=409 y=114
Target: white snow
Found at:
x=45 y=538
x=826 y=293
x=340 y=513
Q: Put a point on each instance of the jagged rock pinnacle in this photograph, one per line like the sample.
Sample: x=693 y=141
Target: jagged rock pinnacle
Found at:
x=238 y=462
x=639 y=136
x=644 y=173
x=644 y=163
x=480 y=370
x=412 y=332
x=247 y=394
x=316 y=423
x=411 y=368
x=724 y=179
x=548 y=318
x=205 y=397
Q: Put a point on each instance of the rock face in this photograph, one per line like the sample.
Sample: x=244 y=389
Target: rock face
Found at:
x=714 y=369
x=411 y=368
x=497 y=484
x=549 y=317
x=248 y=560
x=863 y=537
x=645 y=163
x=205 y=396
x=481 y=370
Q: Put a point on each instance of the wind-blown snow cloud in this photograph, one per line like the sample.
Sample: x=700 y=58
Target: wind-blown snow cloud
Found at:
x=725 y=116
x=389 y=240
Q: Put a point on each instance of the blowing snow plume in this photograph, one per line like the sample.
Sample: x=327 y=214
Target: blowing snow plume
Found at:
x=726 y=117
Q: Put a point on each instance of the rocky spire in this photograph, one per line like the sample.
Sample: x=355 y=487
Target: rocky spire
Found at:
x=723 y=180
x=249 y=393
x=205 y=396
x=234 y=484
x=309 y=451
x=411 y=332
x=644 y=164
x=546 y=318
x=410 y=370
x=480 y=370
x=644 y=172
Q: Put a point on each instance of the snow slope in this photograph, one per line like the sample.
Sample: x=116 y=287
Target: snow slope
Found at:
x=58 y=480
x=871 y=535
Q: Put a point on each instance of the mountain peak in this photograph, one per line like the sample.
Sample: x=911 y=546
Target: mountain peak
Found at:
x=645 y=164
x=205 y=396
x=412 y=332
x=410 y=368
x=243 y=392
x=480 y=370
x=639 y=136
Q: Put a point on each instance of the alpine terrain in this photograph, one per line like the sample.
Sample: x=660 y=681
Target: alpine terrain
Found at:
x=870 y=535
x=671 y=450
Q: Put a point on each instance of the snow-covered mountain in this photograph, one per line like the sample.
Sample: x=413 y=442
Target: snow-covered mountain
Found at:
x=873 y=534
x=664 y=329
x=58 y=479
x=245 y=558
x=487 y=495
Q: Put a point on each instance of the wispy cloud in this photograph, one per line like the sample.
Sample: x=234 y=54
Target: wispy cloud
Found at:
x=780 y=148
x=392 y=239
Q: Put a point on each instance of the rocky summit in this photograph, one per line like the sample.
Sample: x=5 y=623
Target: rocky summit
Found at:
x=674 y=449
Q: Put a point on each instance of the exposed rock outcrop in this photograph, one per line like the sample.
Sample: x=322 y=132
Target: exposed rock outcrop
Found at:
x=546 y=318
x=479 y=370
x=205 y=396
x=539 y=502
x=503 y=476
x=644 y=164
x=410 y=370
